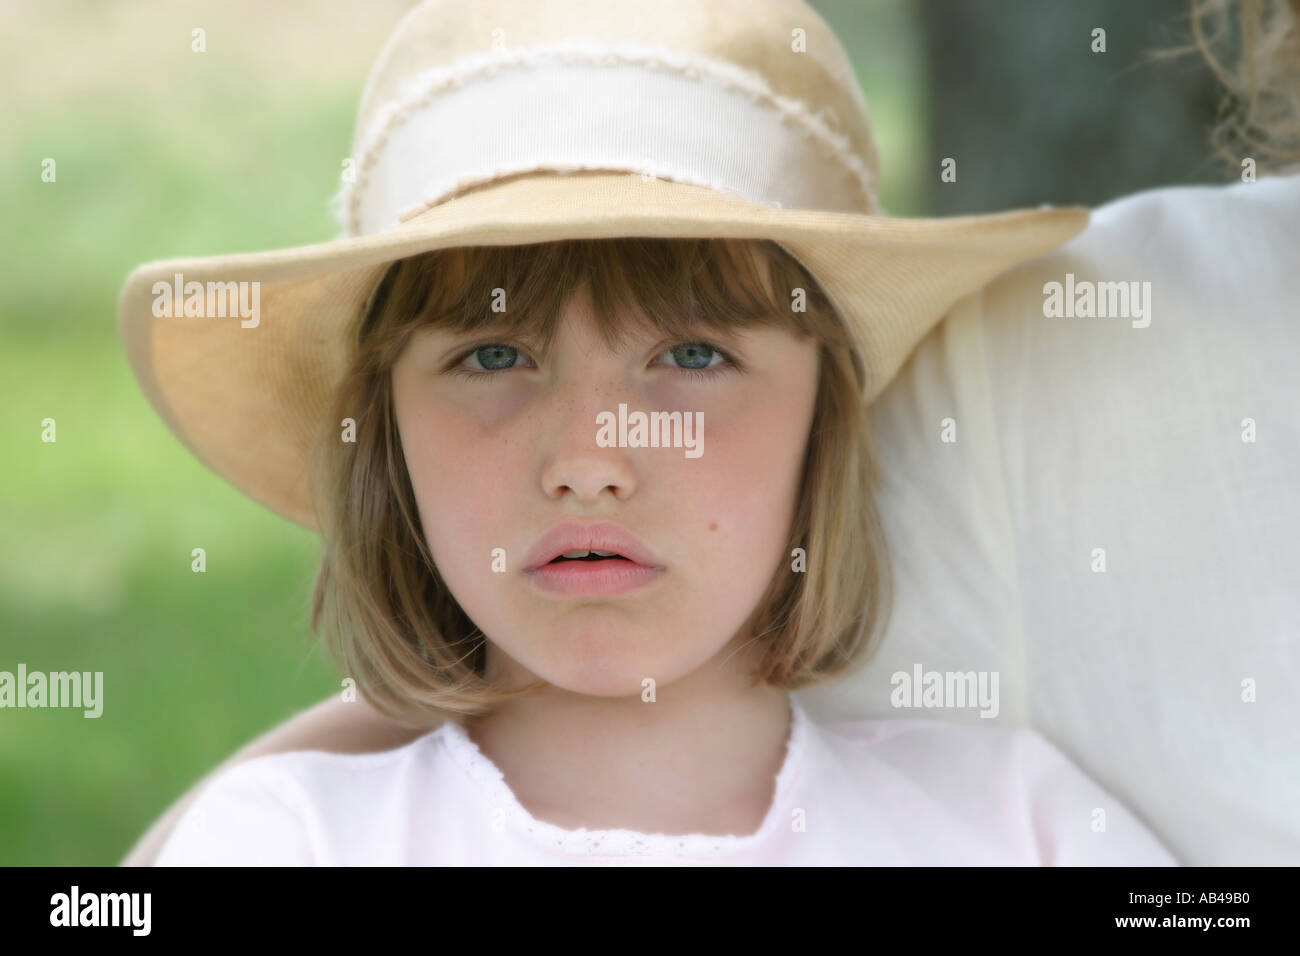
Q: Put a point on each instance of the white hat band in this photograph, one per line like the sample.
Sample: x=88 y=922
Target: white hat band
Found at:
x=572 y=106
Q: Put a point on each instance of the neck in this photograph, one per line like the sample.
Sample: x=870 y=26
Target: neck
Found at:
x=702 y=758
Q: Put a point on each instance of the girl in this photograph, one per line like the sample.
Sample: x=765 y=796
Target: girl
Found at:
x=656 y=722
x=608 y=622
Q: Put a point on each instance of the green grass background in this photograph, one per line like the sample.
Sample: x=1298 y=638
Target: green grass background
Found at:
x=164 y=152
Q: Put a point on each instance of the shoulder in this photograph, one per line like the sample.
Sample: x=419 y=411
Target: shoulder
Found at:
x=1242 y=225
x=280 y=809
x=1008 y=781
x=1158 y=280
x=245 y=815
x=925 y=747
x=1272 y=197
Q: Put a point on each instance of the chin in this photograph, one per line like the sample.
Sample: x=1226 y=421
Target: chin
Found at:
x=610 y=664
x=603 y=663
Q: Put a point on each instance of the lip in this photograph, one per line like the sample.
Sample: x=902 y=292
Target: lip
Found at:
x=576 y=578
x=593 y=536
x=605 y=577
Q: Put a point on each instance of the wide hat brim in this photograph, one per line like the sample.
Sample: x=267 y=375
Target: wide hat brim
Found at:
x=248 y=400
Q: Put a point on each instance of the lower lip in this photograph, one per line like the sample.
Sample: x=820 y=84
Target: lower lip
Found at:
x=614 y=576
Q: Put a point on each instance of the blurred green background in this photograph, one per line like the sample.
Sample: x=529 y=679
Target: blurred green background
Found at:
x=163 y=152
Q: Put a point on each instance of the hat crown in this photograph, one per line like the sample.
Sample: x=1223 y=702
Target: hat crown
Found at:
x=778 y=54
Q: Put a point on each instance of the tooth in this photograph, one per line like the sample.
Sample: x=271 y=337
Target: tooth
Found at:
x=579 y=553
x=604 y=554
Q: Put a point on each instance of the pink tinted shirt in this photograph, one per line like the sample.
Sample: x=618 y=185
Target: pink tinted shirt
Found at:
x=863 y=792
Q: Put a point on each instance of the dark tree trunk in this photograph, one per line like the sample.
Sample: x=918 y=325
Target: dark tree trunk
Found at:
x=1032 y=115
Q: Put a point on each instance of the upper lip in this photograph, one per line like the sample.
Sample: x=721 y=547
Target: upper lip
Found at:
x=600 y=536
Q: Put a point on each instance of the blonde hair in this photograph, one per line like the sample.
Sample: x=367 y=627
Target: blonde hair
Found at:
x=387 y=615
x=1253 y=49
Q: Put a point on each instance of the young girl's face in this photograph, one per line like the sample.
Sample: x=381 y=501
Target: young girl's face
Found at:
x=498 y=460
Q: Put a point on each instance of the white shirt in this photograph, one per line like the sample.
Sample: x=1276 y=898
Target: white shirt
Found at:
x=863 y=792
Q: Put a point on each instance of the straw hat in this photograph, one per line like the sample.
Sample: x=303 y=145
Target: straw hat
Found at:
x=499 y=122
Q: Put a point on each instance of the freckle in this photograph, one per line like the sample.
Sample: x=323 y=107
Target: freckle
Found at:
x=713 y=526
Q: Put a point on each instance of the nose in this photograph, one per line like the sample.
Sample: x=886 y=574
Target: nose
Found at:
x=575 y=464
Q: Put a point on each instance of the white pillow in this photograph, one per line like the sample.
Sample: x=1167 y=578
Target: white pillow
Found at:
x=1080 y=433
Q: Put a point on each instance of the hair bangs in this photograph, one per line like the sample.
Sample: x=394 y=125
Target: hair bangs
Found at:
x=637 y=286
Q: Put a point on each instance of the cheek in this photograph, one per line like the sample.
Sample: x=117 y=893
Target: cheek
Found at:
x=741 y=493
x=459 y=471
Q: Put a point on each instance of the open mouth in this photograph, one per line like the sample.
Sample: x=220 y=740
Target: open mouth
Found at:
x=590 y=573
x=584 y=555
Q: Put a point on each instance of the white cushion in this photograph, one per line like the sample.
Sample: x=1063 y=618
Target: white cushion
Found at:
x=1081 y=433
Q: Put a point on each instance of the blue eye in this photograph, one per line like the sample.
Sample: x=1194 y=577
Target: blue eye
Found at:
x=696 y=359
x=490 y=358
x=696 y=356
x=496 y=356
